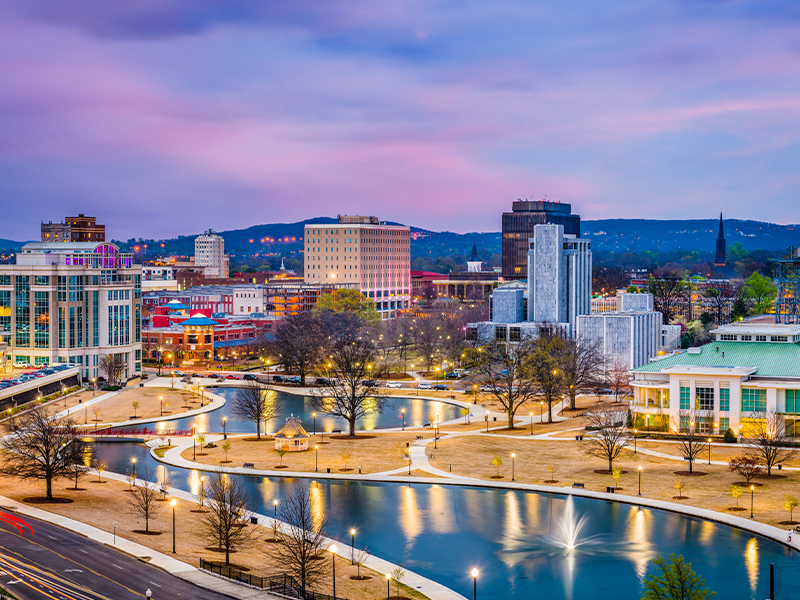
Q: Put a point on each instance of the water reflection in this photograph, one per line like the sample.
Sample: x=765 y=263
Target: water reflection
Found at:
x=410 y=519
x=751 y=561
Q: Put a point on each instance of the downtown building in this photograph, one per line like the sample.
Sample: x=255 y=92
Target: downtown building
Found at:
x=365 y=253
x=72 y=302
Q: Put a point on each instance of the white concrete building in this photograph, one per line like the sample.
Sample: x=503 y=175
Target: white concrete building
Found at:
x=248 y=299
x=749 y=370
x=209 y=253
x=627 y=339
x=72 y=302
x=365 y=251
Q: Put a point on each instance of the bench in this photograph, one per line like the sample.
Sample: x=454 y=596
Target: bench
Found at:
x=249 y=466
x=578 y=486
x=336 y=431
x=428 y=425
x=419 y=437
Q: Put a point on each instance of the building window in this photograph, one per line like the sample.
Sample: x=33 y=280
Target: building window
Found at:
x=793 y=401
x=746 y=338
x=724 y=399
x=686 y=394
x=761 y=338
x=724 y=424
x=754 y=400
x=727 y=337
x=780 y=338
x=704 y=398
x=499 y=333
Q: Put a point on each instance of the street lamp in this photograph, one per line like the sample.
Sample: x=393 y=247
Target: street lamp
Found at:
x=316 y=457
x=513 y=456
x=173 y=503
x=274 y=518
x=541 y=411
x=403 y=412
x=640 y=480
x=202 y=395
x=531 y=422
x=224 y=428
x=635 y=431
x=475 y=584
x=353 y=546
x=313 y=414
x=194 y=443
x=134 y=468
x=202 y=490
x=388 y=582
x=332 y=549
x=709 y=450
x=94 y=386
x=752 y=490
x=161 y=400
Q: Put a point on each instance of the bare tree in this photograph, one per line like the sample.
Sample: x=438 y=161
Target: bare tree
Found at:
x=77 y=470
x=745 y=466
x=144 y=499
x=668 y=292
x=619 y=378
x=297 y=342
x=580 y=364
x=427 y=339
x=768 y=442
x=114 y=366
x=691 y=443
x=545 y=368
x=39 y=446
x=255 y=402
x=505 y=370
x=229 y=513
x=359 y=557
x=99 y=467
x=304 y=543
x=608 y=434
x=350 y=364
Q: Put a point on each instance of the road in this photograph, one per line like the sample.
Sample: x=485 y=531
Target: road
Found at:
x=56 y=564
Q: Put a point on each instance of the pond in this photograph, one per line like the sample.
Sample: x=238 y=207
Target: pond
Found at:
x=516 y=538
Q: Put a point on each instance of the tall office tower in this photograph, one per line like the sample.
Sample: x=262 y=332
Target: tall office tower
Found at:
x=209 y=253
x=73 y=302
x=559 y=277
x=366 y=252
x=518 y=229
x=74 y=229
x=720 y=259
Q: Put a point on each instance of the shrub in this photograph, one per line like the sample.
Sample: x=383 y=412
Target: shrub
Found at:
x=110 y=388
x=730 y=437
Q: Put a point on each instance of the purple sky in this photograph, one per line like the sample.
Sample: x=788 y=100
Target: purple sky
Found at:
x=165 y=117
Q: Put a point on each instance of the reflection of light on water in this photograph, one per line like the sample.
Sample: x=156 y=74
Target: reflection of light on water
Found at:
x=638 y=526
x=513 y=521
x=410 y=520
x=751 y=562
x=317 y=503
x=441 y=516
x=194 y=482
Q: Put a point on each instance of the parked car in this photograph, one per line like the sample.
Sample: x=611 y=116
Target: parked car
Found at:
x=232 y=377
x=322 y=381
x=278 y=378
x=486 y=388
x=453 y=376
x=424 y=386
x=394 y=384
x=441 y=386
x=249 y=377
x=604 y=392
x=294 y=380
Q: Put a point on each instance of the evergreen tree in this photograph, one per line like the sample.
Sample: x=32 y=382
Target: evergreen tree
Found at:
x=675 y=580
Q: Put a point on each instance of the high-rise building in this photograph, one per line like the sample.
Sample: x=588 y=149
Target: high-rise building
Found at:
x=720 y=258
x=72 y=302
x=74 y=229
x=209 y=253
x=518 y=229
x=364 y=251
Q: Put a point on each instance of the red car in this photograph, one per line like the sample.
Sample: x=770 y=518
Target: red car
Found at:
x=232 y=377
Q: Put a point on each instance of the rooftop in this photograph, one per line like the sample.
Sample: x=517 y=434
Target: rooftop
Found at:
x=769 y=359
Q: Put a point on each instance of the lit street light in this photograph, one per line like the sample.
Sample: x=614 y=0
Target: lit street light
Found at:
x=202 y=490
x=531 y=422
x=640 y=480
x=161 y=400
x=315 y=421
x=475 y=584
x=541 y=411
x=752 y=490
x=353 y=546
x=274 y=518
x=173 y=503
x=512 y=465
x=635 y=431
x=134 y=468
x=388 y=582
x=316 y=457
x=224 y=428
x=709 y=450
x=403 y=412
x=332 y=549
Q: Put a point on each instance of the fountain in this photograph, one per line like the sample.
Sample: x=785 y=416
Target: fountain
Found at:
x=569 y=526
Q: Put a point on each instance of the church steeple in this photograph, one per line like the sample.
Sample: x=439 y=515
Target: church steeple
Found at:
x=474 y=255
x=474 y=263
x=720 y=258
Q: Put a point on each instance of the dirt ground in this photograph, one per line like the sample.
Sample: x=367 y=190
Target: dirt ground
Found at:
x=374 y=453
x=473 y=457
x=101 y=504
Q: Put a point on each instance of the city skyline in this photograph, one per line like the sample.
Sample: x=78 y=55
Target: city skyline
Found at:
x=167 y=119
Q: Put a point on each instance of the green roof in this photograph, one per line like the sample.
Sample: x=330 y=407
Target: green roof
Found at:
x=771 y=359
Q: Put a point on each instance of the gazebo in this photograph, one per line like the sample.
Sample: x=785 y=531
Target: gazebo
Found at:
x=291 y=437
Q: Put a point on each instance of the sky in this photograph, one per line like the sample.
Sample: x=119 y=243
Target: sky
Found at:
x=168 y=117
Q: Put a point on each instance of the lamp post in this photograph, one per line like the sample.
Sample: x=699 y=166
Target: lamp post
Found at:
x=403 y=412
x=475 y=584
x=513 y=456
x=148 y=593
x=640 y=480
x=274 y=518
x=173 y=503
x=316 y=457
x=161 y=400
x=709 y=450
x=486 y=417
x=224 y=428
x=635 y=431
x=202 y=395
x=352 y=546
x=752 y=490
x=94 y=386
x=313 y=414
x=388 y=582
x=541 y=411
x=435 y=431
x=332 y=549
x=531 y=422
x=134 y=468
x=194 y=442
x=202 y=490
